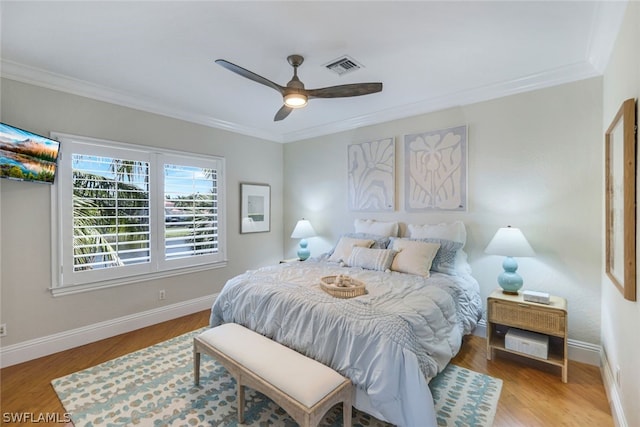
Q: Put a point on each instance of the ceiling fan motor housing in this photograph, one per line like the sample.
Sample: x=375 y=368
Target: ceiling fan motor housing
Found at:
x=295 y=60
x=294 y=95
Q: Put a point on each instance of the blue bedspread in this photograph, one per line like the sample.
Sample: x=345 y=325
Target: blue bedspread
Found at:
x=390 y=342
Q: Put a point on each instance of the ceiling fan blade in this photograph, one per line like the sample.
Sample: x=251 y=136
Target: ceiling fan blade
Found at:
x=282 y=113
x=342 y=91
x=249 y=75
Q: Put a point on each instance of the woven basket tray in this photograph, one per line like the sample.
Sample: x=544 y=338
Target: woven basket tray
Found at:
x=354 y=287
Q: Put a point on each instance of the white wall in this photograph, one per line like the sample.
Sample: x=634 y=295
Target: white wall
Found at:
x=621 y=318
x=27 y=307
x=535 y=162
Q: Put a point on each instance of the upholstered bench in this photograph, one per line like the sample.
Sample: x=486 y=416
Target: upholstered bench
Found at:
x=303 y=387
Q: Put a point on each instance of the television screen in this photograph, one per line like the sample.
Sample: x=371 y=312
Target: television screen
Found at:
x=26 y=156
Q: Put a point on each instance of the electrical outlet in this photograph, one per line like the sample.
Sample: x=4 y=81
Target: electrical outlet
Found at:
x=161 y=295
x=3 y=330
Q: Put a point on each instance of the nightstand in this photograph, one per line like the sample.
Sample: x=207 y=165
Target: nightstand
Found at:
x=512 y=311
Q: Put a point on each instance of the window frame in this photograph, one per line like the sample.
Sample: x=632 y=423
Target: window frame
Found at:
x=171 y=264
x=64 y=279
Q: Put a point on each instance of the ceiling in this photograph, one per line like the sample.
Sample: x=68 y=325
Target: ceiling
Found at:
x=159 y=56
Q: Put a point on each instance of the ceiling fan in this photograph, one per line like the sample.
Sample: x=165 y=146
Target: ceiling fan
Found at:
x=294 y=93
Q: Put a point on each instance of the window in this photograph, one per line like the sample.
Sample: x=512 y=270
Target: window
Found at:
x=127 y=213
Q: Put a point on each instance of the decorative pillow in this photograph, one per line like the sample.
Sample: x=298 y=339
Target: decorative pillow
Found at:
x=454 y=231
x=371 y=259
x=446 y=260
x=414 y=256
x=344 y=247
x=371 y=226
x=379 y=242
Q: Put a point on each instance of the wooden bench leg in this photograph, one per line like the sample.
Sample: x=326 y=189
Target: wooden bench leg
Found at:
x=240 y=395
x=346 y=414
x=196 y=365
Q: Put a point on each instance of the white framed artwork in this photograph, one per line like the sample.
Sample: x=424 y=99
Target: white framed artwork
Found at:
x=436 y=170
x=255 y=208
x=371 y=179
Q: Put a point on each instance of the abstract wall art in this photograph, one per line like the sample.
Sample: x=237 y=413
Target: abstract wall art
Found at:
x=436 y=170
x=371 y=179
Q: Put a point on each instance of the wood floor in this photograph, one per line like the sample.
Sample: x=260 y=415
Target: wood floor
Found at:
x=530 y=396
x=533 y=394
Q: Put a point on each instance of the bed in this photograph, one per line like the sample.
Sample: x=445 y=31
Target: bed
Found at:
x=391 y=341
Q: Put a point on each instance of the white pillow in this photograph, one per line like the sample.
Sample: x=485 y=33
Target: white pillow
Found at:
x=344 y=247
x=371 y=259
x=381 y=228
x=413 y=257
x=462 y=265
x=455 y=231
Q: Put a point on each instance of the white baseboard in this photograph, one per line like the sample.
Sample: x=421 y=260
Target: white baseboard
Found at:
x=584 y=352
x=39 y=347
x=481 y=329
x=613 y=394
x=579 y=351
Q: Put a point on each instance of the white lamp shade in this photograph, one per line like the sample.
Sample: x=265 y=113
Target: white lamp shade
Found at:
x=509 y=241
x=303 y=230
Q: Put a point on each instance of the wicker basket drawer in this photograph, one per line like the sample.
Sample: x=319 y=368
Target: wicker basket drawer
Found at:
x=527 y=317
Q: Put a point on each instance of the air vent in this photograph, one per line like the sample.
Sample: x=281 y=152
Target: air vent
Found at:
x=343 y=65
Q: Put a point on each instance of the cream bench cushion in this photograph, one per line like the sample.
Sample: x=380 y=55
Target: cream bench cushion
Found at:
x=302 y=379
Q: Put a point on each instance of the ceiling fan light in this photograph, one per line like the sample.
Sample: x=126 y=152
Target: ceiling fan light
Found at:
x=295 y=100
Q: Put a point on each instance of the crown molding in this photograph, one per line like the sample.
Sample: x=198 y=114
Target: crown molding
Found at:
x=38 y=77
x=548 y=78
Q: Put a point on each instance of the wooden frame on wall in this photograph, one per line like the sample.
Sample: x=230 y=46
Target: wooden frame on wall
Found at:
x=255 y=208
x=620 y=182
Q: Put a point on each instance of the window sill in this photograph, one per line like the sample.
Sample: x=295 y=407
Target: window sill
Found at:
x=76 y=289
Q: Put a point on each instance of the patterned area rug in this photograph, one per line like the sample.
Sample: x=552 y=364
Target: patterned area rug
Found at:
x=154 y=387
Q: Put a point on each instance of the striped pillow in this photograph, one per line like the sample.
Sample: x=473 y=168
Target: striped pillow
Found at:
x=371 y=259
x=344 y=247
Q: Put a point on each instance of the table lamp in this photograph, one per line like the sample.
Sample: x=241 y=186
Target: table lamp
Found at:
x=302 y=231
x=509 y=242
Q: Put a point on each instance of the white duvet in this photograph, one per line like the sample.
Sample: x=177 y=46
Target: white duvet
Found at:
x=390 y=342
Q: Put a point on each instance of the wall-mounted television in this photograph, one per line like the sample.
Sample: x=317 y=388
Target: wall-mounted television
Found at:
x=26 y=156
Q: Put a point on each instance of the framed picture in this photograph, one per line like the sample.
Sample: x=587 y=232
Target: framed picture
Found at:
x=436 y=170
x=371 y=175
x=255 y=208
x=620 y=216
